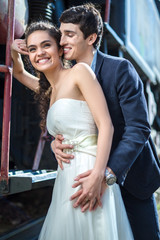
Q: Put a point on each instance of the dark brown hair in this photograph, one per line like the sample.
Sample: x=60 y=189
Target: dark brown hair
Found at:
x=88 y=18
x=44 y=91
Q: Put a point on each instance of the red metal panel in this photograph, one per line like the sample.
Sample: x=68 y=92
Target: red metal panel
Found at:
x=7 y=98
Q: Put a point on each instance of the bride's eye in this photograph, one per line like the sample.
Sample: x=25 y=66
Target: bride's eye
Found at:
x=32 y=49
x=47 y=45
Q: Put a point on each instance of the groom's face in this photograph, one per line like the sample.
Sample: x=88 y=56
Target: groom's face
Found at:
x=73 y=42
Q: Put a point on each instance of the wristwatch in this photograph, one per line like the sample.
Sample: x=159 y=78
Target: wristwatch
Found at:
x=110 y=179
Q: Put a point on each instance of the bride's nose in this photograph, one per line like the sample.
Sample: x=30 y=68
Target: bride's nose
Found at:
x=40 y=51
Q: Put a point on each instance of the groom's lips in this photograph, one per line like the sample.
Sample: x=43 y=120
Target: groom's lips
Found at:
x=66 y=50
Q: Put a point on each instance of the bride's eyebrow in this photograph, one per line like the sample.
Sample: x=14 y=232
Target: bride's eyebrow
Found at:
x=32 y=45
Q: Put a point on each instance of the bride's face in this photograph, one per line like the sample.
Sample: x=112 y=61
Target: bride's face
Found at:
x=43 y=51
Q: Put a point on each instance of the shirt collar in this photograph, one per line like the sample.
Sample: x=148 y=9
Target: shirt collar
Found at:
x=93 y=64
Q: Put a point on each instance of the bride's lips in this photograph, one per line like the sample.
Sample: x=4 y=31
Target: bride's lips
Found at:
x=42 y=60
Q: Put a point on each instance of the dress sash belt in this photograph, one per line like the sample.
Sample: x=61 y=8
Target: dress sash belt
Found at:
x=86 y=144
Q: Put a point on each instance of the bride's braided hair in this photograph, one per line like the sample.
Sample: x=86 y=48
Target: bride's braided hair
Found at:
x=44 y=91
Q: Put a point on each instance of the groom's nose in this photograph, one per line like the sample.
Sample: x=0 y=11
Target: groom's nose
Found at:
x=63 y=40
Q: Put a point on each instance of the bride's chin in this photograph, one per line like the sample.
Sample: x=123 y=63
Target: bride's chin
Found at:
x=42 y=68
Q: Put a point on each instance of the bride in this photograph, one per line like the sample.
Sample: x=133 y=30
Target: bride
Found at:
x=77 y=109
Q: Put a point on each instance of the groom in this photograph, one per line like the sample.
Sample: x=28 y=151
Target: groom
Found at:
x=133 y=158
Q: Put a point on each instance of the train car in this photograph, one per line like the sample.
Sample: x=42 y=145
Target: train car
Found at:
x=28 y=167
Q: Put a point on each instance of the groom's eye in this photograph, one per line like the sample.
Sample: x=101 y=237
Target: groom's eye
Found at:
x=70 y=34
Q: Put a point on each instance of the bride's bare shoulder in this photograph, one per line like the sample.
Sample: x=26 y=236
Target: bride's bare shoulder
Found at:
x=81 y=66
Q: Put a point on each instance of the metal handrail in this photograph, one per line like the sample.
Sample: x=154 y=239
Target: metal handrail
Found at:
x=7 y=98
x=4 y=68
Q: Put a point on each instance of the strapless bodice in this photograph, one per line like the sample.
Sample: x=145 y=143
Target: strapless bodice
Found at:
x=71 y=118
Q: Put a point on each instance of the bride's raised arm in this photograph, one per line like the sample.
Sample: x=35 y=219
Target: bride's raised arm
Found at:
x=19 y=47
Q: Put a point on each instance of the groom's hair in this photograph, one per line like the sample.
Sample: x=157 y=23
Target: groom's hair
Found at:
x=88 y=18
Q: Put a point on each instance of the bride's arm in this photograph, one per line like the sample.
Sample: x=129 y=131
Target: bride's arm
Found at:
x=19 y=47
x=93 y=94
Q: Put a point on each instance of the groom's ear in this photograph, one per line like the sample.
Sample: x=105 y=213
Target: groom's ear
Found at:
x=92 y=38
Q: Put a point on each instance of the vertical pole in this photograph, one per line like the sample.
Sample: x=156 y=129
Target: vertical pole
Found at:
x=39 y=151
x=7 y=99
x=107 y=11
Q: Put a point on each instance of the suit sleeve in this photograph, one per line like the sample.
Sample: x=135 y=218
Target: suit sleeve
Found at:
x=133 y=105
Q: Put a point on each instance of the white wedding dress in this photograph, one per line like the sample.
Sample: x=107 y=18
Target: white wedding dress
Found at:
x=73 y=119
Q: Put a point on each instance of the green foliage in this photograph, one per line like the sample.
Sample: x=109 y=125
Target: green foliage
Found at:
x=158 y=206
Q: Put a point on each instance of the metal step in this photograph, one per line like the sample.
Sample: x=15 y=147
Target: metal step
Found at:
x=21 y=181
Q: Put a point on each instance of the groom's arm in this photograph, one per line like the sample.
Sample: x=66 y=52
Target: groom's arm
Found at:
x=133 y=105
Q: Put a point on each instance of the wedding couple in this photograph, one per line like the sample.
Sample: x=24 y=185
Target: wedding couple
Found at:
x=97 y=133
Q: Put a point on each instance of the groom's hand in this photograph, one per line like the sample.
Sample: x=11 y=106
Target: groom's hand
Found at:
x=58 y=147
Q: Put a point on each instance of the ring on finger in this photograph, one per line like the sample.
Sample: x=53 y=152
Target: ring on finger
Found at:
x=86 y=199
x=95 y=200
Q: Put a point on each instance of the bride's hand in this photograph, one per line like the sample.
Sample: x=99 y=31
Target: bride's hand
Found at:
x=19 y=45
x=89 y=196
x=86 y=206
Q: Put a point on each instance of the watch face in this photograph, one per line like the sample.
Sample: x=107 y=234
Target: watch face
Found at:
x=111 y=180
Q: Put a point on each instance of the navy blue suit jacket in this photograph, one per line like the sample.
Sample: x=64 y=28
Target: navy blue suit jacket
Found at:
x=133 y=157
